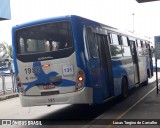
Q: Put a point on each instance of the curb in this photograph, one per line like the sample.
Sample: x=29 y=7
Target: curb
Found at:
x=9 y=96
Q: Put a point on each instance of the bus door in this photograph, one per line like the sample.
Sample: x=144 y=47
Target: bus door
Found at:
x=150 y=61
x=105 y=64
x=135 y=61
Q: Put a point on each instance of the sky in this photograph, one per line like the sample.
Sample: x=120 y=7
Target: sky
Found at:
x=116 y=13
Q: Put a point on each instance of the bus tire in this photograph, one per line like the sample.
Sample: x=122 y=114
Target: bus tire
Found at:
x=145 y=83
x=148 y=73
x=124 y=88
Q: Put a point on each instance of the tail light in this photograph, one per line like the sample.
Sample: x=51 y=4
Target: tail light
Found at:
x=19 y=85
x=80 y=80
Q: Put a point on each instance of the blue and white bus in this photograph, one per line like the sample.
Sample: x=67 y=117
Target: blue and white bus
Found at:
x=74 y=60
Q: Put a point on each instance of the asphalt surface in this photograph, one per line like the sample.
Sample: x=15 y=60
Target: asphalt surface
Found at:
x=142 y=106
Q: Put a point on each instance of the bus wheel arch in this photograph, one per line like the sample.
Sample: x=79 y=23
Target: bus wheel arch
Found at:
x=124 y=87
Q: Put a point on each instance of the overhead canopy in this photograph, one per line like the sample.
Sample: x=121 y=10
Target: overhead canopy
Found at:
x=5 y=11
x=142 y=1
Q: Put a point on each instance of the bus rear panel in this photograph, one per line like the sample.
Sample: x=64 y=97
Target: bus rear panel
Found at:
x=47 y=71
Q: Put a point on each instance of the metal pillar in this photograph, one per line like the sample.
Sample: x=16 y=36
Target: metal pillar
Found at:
x=3 y=83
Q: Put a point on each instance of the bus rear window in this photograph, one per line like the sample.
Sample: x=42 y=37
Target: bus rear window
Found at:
x=44 y=38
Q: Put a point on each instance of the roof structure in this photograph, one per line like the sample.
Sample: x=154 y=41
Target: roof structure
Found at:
x=142 y=1
x=5 y=11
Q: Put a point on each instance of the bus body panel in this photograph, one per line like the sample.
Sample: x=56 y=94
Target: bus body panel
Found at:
x=122 y=68
x=41 y=76
x=90 y=66
x=83 y=96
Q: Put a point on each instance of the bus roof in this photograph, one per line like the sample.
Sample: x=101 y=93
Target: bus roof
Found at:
x=67 y=17
x=39 y=21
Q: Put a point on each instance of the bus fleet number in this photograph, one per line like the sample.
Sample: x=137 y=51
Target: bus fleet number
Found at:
x=68 y=70
x=51 y=100
x=32 y=70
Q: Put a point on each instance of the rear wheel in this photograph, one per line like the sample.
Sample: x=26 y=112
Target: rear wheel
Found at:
x=124 y=87
x=145 y=83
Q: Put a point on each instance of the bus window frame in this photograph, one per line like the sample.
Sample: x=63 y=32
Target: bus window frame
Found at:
x=44 y=55
x=89 y=45
x=113 y=44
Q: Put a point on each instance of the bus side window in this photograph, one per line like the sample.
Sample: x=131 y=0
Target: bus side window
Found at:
x=146 y=48
x=92 y=43
x=141 y=51
x=115 y=39
x=115 y=48
x=126 y=51
x=124 y=41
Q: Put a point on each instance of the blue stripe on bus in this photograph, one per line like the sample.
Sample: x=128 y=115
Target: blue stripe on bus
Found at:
x=45 y=78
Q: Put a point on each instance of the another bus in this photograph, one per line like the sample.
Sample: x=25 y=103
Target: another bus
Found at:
x=74 y=60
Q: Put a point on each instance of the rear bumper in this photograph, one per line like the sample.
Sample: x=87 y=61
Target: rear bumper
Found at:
x=84 y=96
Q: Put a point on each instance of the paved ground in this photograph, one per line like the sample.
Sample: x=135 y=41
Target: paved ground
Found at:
x=143 y=104
x=143 y=112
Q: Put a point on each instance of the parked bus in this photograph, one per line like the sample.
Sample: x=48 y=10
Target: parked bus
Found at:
x=74 y=60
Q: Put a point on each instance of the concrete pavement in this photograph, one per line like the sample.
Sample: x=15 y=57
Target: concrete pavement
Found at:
x=8 y=86
x=8 y=95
